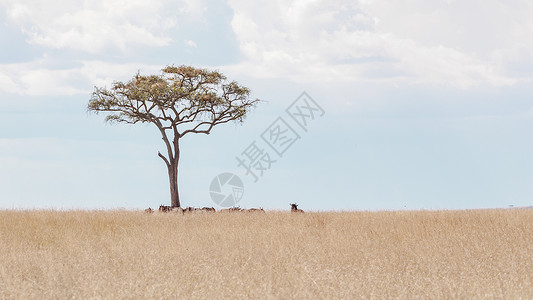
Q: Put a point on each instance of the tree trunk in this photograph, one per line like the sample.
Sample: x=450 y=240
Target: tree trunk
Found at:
x=173 y=178
x=173 y=175
x=172 y=164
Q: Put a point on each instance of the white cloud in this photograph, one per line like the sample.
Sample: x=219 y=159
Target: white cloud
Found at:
x=413 y=42
x=194 y=8
x=40 y=78
x=94 y=26
x=34 y=78
x=100 y=73
x=190 y=44
x=449 y=43
x=6 y=83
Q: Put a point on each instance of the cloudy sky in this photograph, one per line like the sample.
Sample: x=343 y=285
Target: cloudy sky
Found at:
x=427 y=104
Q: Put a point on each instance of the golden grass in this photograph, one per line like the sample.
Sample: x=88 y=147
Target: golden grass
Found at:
x=277 y=255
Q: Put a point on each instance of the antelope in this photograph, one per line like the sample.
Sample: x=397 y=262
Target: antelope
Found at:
x=294 y=208
x=149 y=210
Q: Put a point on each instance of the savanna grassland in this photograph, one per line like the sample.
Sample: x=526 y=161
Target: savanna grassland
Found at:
x=272 y=255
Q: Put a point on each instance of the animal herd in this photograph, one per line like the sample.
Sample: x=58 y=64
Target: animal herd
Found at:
x=164 y=208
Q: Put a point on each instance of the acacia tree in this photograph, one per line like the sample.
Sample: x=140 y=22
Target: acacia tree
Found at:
x=179 y=101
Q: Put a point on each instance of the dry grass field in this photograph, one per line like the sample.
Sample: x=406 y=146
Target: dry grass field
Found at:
x=272 y=255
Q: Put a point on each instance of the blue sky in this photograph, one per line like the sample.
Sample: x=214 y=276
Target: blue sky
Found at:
x=428 y=105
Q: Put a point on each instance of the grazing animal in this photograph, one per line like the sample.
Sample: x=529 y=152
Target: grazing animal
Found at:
x=294 y=208
x=164 y=208
x=255 y=210
x=177 y=209
x=232 y=209
x=189 y=209
x=149 y=210
x=199 y=210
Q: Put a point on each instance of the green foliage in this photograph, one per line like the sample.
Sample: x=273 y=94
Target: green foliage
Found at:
x=184 y=98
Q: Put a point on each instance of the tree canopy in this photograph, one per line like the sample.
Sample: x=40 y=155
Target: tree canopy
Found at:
x=180 y=95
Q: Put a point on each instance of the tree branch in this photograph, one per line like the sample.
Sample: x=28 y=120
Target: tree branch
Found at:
x=165 y=139
x=164 y=158
x=181 y=100
x=208 y=130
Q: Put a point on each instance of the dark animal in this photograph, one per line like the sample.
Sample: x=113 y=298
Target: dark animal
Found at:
x=198 y=210
x=149 y=210
x=177 y=209
x=189 y=209
x=164 y=208
x=294 y=208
